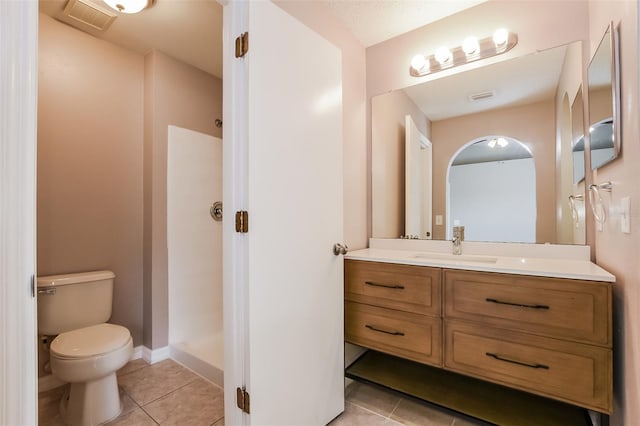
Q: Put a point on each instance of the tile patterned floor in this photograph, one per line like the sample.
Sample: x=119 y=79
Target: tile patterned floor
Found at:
x=166 y=393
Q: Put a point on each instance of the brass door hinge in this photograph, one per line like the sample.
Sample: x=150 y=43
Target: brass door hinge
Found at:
x=242 y=45
x=243 y=400
x=242 y=221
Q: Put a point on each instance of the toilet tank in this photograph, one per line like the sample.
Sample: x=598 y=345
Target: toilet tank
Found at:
x=71 y=301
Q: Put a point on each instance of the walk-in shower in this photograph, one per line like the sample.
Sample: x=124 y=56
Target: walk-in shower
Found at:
x=194 y=243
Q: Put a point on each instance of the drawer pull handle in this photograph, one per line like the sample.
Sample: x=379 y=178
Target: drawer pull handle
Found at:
x=394 y=286
x=520 y=305
x=379 y=330
x=513 y=361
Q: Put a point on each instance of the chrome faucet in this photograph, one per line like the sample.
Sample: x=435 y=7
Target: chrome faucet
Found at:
x=458 y=237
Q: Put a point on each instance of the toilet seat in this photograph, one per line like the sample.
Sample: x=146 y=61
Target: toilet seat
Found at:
x=90 y=341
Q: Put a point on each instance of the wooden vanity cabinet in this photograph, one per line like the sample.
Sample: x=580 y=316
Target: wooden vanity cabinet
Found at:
x=547 y=336
x=394 y=309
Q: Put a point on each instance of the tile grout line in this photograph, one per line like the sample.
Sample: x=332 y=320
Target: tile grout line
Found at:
x=395 y=408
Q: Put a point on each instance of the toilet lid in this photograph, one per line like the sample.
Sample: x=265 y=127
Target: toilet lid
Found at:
x=90 y=341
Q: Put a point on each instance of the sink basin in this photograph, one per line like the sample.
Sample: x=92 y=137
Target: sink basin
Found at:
x=455 y=257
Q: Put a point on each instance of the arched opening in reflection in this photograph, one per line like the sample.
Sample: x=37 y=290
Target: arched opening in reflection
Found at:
x=491 y=191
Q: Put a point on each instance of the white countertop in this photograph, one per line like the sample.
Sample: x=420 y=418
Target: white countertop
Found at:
x=556 y=267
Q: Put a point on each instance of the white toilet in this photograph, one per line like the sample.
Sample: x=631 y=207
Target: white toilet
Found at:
x=87 y=351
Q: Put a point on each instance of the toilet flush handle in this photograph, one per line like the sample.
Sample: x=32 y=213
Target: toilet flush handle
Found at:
x=49 y=291
x=339 y=249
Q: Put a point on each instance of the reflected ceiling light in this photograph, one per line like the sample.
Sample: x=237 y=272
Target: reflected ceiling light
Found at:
x=129 y=6
x=471 y=50
x=470 y=45
x=501 y=142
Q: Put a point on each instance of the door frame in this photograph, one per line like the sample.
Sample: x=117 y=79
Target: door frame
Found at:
x=234 y=195
x=18 y=126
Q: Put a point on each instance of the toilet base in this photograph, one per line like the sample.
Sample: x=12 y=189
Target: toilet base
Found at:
x=91 y=403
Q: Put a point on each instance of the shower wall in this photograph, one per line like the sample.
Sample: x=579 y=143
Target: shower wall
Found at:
x=194 y=243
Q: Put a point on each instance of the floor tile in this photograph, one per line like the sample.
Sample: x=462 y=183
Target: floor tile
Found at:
x=136 y=417
x=412 y=413
x=49 y=407
x=358 y=416
x=198 y=403
x=459 y=421
x=132 y=366
x=372 y=398
x=219 y=422
x=150 y=383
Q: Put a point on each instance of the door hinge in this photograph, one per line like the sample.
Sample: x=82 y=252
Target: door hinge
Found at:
x=243 y=400
x=242 y=221
x=242 y=45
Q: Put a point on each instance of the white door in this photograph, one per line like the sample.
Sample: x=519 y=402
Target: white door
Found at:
x=283 y=289
x=418 y=181
x=18 y=85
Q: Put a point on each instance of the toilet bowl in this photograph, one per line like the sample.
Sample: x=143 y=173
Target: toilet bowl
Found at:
x=87 y=351
x=88 y=359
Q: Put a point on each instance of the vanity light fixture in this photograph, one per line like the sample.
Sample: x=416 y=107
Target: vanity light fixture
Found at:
x=129 y=6
x=471 y=50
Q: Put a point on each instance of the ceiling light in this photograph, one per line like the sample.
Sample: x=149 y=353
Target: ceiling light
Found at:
x=492 y=143
x=418 y=62
x=129 y=6
x=500 y=37
x=470 y=45
x=443 y=54
x=502 y=142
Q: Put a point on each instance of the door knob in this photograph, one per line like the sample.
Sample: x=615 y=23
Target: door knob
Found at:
x=339 y=249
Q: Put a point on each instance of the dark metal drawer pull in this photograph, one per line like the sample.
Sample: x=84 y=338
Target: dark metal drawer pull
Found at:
x=394 y=286
x=520 y=305
x=513 y=361
x=393 y=333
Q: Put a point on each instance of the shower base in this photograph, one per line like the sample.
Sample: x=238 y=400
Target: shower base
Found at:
x=204 y=356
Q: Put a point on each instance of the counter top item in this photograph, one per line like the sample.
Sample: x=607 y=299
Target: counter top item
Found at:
x=481 y=258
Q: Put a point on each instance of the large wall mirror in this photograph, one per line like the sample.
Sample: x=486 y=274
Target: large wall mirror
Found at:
x=604 y=100
x=494 y=136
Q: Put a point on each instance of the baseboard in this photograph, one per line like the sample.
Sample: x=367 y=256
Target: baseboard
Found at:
x=49 y=382
x=155 y=355
x=136 y=353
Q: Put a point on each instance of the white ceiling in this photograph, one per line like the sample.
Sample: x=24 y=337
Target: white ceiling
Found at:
x=191 y=30
x=188 y=30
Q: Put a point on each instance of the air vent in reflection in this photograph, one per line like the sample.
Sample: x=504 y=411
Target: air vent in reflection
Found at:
x=482 y=96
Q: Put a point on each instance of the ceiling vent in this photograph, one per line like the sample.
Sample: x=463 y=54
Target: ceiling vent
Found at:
x=481 y=96
x=87 y=16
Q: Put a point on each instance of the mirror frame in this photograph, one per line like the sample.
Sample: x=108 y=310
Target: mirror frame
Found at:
x=611 y=33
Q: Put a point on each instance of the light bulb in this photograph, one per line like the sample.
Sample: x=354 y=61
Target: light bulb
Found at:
x=502 y=142
x=128 y=6
x=418 y=62
x=500 y=37
x=492 y=143
x=470 y=45
x=443 y=54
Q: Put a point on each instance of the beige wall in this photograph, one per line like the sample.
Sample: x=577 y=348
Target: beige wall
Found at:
x=533 y=125
x=90 y=113
x=355 y=155
x=388 y=160
x=184 y=96
x=615 y=251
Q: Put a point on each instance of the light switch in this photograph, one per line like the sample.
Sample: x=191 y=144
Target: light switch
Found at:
x=438 y=219
x=625 y=210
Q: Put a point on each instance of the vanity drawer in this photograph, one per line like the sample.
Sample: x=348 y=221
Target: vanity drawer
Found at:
x=408 y=288
x=569 y=309
x=412 y=336
x=576 y=373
